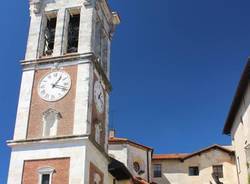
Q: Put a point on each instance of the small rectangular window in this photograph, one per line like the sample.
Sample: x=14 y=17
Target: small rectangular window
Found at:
x=45 y=179
x=218 y=171
x=157 y=170
x=193 y=171
x=49 y=36
x=73 y=33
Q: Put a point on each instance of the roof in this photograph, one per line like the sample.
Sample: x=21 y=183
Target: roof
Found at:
x=215 y=146
x=118 y=170
x=115 y=140
x=169 y=156
x=184 y=156
x=242 y=86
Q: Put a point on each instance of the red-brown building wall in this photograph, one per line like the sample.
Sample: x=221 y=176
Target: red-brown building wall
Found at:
x=60 y=176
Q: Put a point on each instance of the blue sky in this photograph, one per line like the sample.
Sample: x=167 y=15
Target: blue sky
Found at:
x=175 y=67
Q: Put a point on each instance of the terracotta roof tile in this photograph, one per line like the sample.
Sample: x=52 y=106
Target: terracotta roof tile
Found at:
x=116 y=140
x=183 y=156
x=169 y=156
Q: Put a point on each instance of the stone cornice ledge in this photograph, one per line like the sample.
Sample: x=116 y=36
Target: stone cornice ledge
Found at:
x=58 y=59
x=13 y=143
x=58 y=139
x=32 y=64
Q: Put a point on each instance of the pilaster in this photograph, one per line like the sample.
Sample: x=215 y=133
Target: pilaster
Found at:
x=86 y=31
x=24 y=105
x=60 y=33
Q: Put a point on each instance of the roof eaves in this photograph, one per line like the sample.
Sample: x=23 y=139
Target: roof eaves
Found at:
x=242 y=86
x=127 y=141
x=215 y=146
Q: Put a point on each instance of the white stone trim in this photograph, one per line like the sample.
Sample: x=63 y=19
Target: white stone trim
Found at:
x=81 y=99
x=60 y=30
x=34 y=37
x=86 y=30
x=75 y=150
x=51 y=65
x=24 y=105
x=45 y=170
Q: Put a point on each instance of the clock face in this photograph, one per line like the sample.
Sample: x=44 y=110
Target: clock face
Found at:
x=54 y=86
x=99 y=97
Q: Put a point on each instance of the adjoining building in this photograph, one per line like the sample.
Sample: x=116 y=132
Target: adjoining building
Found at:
x=61 y=130
x=211 y=165
x=237 y=126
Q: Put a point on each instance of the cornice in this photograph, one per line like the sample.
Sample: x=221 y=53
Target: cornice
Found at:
x=23 y=142
x=57 y=139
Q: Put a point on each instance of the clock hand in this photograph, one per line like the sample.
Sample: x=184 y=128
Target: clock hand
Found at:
x=54 y=85
x=60 y=87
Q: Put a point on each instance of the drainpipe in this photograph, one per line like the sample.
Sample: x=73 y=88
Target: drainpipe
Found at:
x=148 y=165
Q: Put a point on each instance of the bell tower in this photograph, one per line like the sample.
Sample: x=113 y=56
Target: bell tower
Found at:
x=61 y=130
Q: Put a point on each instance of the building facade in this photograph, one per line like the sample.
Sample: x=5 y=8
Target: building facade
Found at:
x=212 y=165
x=61 y=131
x=238 y=125
x=208 y=166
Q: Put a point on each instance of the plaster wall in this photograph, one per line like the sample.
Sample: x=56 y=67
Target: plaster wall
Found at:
x=93 y=155
x=241 y=137
x=119 y=152
x=128 y=154
x=139 y=155
x=176 y=172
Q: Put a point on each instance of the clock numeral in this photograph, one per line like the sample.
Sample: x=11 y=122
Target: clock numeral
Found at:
x=49 y=76
x=65 y=78
x=55 y=74
x=52 y=97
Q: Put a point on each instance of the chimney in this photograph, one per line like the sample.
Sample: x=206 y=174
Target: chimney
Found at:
x=111 y=133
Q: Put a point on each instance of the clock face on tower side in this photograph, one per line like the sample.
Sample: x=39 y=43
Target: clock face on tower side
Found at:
x=54 y=86
x=99 y=97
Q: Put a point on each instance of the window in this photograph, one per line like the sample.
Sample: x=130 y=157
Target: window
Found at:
x=50 y=121
x=45 y=175
x=45 y=179
x=218 y=171
x=193 y=171
x=157 y=170
x=73 y=33
x=49 y=36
